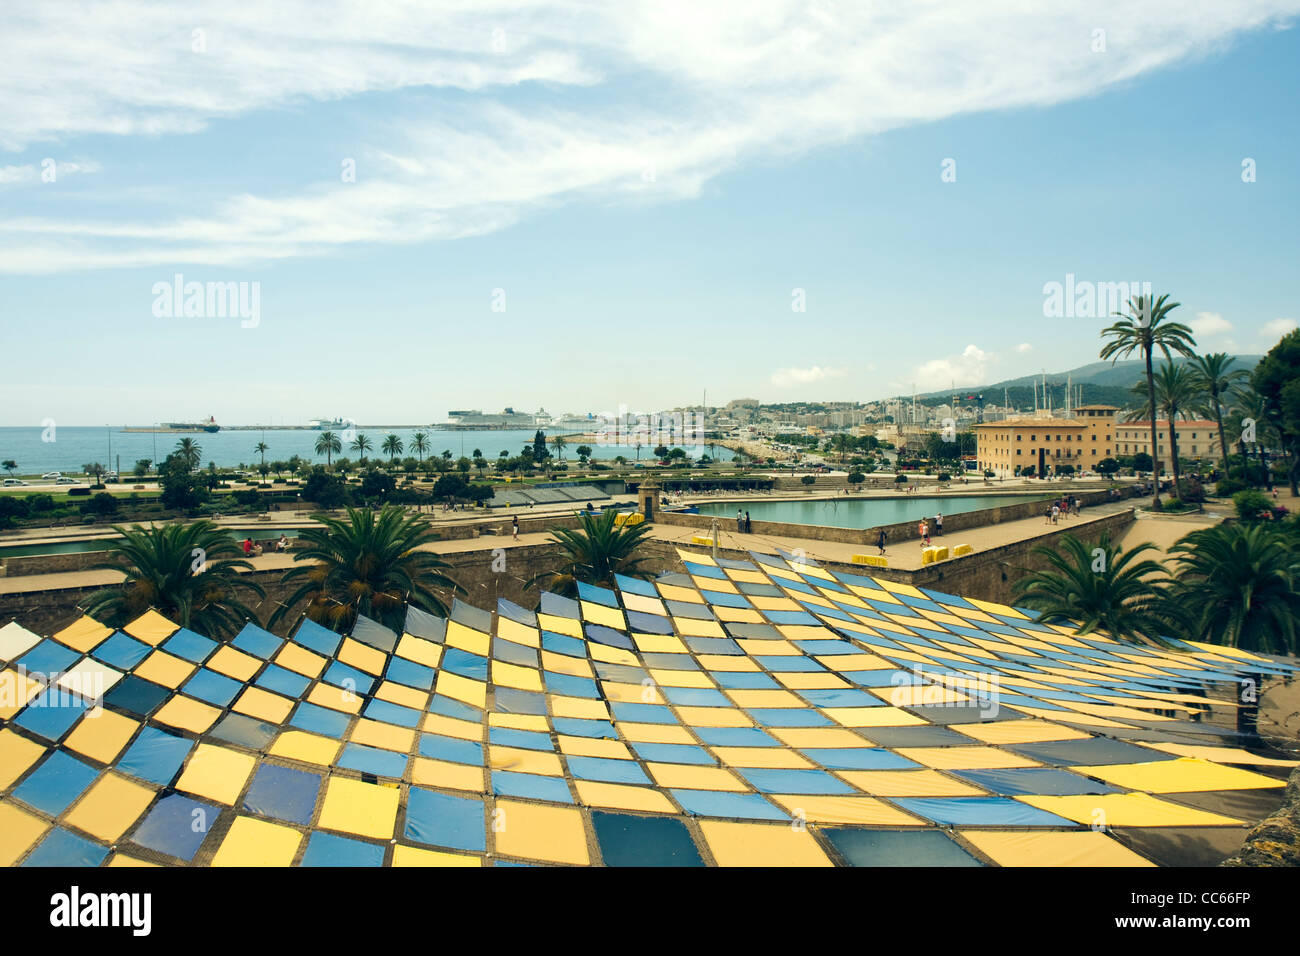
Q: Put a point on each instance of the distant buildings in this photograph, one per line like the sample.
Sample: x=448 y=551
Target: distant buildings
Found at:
x=1196 y=439
x=1047 y=444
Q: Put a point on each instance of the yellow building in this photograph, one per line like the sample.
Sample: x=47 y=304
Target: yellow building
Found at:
x=1197 y=438
x=1011 y=447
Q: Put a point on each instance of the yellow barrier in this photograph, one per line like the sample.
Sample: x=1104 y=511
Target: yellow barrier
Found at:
x=629 y=518
x=941 y=552
x=874 y=560
x=933 y=554
x=701 y=539
x=959 y=549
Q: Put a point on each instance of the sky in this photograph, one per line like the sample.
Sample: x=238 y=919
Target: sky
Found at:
x=582 y=206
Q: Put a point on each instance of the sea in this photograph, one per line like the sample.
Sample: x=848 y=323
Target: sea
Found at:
x=38 y=449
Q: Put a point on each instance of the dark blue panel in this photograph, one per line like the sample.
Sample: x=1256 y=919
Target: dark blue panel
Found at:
x=176 y=826
x=858 y=758
x=62 y=848
x=583 y=727
x=566 y=685
x=326 y=849
x=563 y=644
x=283 y=793
x=383 y=763
x=607 y=769
x=122 y=651
x=319 y=720
x=216 y=689
x=530 y=786
x=444 y=820
x=465 y=664
x=52 y=713
x=48 y=658
x=736 y=737
x=393 y=713
x=349 y=678
x=917 y=847
x=627 y=840
x=795 y=781
x=674 y=753
x=155 y=756
x=1046 y=781
x=710 y=803
x=253 y=640
x=321 y=640
x=438 y=747
x=788 y=717
x=193 y=647
x=527 y=739
x=282 y=681
x=56 y=783
x=980 y=812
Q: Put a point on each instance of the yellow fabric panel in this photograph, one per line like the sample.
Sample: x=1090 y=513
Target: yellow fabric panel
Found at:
x=674 y=593
x=402 y=695
x=1183 y=775
x=101 y=734
x=1221 y=754
x=563 y=664
x=418 y=856
x=757 y=844
x=814 y=599
x=1052 y=848
x=309 y=748
x=600 y=614
x=872 y=717
x=1018 y=731
x=593 y=747
x=1127 y=810
x=867 y=811
x=897 y=588
x=692 y=777
x=19 y=831
x=452 y=776
x=660 y=644
x=917 y=695
x=300 y=660
x=765 y=757
x=519 y=721
x=16 y=692
x=764 y=698
x=727 y=663
x=994 y=608
x=553 y=834
x=916 y=623
x=263 y=705
x=85 y=634
x=738 y=615
x=646 y=605
x=774 y=603
x=452 y=727
x=714 y=584
x=253 y=842
x=187 y=714
x=690 y=627
x=335 y=698
x=713 y=717
x=909 y=783
x=1066 y=718
x=419 y=650
x=746 y=577
x=376 y=733
x=462 y=688
x=817 y=737
x=874 y=594
x=655 y=733
x=671 y=678
x=560 y=625
x=1220 y=650
x=579 y=707
x=798 y=680
x=966 y=758
x=216 y=773
x=362 y=657
x=519 y=760
x=622 y=797
x=110 y=807
x=467 y=639
x=806 y=632
x=696 y=557
x=853 y=662
x=234 y=663
x=513 y=675
x=764 y=648
x=161 y=668
x=364 y=809
x=612 y=655
x=519 y=633
x=152 y=628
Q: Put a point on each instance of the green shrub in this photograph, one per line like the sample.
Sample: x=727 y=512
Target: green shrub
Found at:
x=38 y=503
x=1252 y=505
x=1191 y=491
x=102 y=504
x=1227 y=487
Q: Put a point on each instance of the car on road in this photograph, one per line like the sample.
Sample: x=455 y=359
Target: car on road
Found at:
x=62 y=480
x=52 y=475
x=14 y=483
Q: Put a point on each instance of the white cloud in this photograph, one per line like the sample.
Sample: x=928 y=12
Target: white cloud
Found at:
x=30 y=172
x=1209 y=324
x=1024 y=348
x=788 y=377
x=1277 y=328
x=969 y=368
x=551 y=100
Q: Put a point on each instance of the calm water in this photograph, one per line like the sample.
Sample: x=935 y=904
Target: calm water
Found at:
x=861 y=512
x=77 y=547
x=71 y=448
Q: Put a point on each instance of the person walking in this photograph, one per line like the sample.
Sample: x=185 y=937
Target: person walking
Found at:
x=1056 y=511
x=880 y=540
x=740 y=521
x=749 y=524
x=938 y=525
x=514 y=525
x=924 y=530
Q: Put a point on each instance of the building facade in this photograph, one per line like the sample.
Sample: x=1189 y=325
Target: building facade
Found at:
x=1047 y=445
x=1197 y=438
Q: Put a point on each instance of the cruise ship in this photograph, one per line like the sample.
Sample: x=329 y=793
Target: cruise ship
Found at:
x=475 y=420
x=210 y=425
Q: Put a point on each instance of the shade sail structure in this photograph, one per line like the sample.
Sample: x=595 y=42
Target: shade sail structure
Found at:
x=761 y=712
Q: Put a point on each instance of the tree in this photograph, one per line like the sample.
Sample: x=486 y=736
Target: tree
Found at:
x=1277 y=380
x=189 y=573
x=1100 y=589
x=9 y=465
x=1240 y=586
x=181 y=487
x=362 y=446
x=1176 y=391
x=326 y=490
x=369 y=563
x=594 y=552
x=141 y=467
x=376 y=484
x=1143 y=462
x=1145 y=329
x=481 y=464
x=329 y=445
x=661 y=452
x=191 y=452
x=1248 y=425
x=392 y=447
x=584 y=452
x=540 y=453
x=558 y=443
x=1107 y=467
x=420 y=445
x=261 y=449
x=1215 y=377
x=856 y=478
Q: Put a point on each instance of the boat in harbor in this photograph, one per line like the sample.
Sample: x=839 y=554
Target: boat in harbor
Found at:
x=210 y=425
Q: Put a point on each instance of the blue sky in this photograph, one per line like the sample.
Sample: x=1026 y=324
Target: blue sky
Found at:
x=645 y=183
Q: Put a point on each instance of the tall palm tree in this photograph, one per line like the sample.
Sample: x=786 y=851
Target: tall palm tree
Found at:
x=1215 y=377
x=1144 y=329
x=329 y=445
x=261 y=449
x=1249 y=406
x=558 y=443
x=420 y=444
x=191 y=451
x=594 y=552
x=361 y=445
x=392 y=447
x=1114 y=591
x=1240 y=586
x=367 y=563
x=1176 y=393
x=189 y=573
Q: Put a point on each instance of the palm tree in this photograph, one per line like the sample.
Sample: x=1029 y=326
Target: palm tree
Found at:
x=329 y=445
x=420 y=444
x=595 y=552
x=392 y=447
x=367 y=563
x=9 y=465
x=261 y=448
x=1176 y=391
x=189 y=573
x=558 y=444
x=1240 y=586
x=1144 y=330
x=190 y=451
x=361 y=444
x=1216 y=379
x=1249 y=406
x=1110 y=591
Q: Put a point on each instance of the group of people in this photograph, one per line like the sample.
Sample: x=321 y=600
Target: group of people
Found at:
x=923 y=529
x=743 y=524
x=254 y=550
x=1061 y=507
